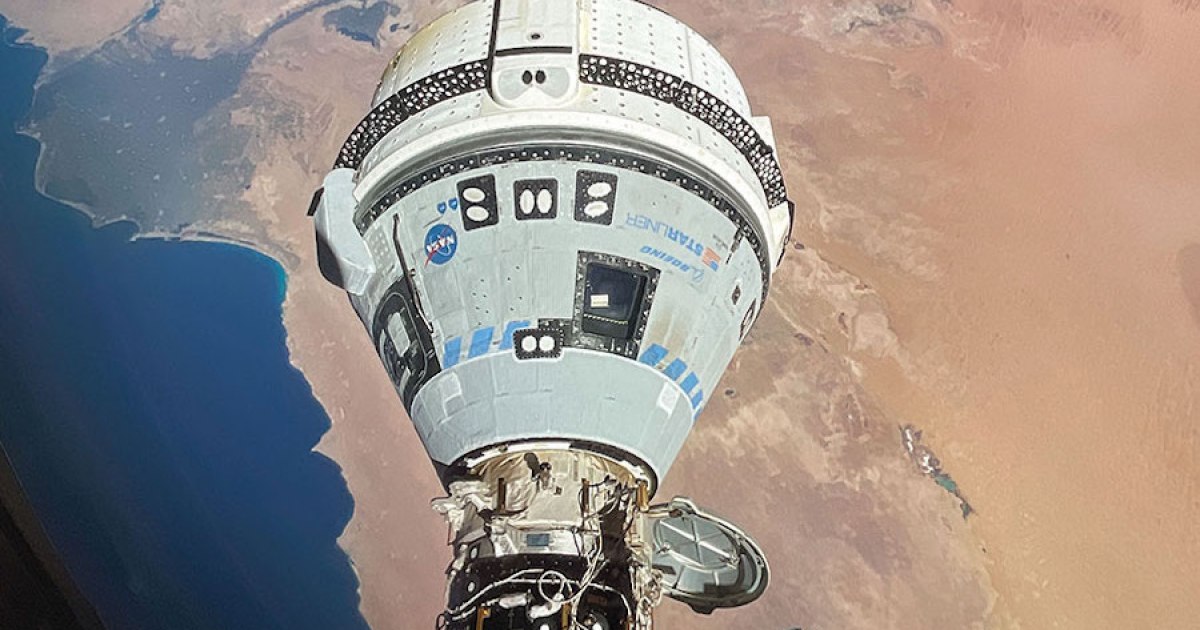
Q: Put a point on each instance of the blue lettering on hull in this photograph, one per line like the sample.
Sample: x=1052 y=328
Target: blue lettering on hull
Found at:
x=708 y=258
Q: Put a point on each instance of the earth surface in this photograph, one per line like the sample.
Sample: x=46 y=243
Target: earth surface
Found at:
x=997 y=245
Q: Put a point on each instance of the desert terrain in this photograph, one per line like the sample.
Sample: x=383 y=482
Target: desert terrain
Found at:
x=1013 y=182
x=997 y=242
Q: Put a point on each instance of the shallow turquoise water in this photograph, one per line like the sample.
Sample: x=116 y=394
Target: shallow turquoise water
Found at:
x=149 y=408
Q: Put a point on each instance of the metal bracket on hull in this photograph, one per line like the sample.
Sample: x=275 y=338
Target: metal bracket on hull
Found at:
x=338 y=238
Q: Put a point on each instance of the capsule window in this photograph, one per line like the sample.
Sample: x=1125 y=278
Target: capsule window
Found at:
x=595 y=196
x=477 y=198
x=535 y=199
x=612 y=301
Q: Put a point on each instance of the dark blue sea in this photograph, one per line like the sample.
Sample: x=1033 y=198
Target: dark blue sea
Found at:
x=150 y=411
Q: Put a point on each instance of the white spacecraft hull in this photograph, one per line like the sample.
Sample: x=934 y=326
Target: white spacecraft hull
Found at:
x=558 y=222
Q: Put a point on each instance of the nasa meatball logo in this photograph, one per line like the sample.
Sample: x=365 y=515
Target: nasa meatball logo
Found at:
x=440 y=244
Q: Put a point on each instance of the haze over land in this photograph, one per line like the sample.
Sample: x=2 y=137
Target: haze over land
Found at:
x=999 y=208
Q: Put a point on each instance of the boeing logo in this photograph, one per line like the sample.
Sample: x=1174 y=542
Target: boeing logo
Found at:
x=696 y=273
x=708 y=257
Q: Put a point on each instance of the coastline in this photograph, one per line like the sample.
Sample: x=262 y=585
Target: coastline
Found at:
x=399 y=553
x=276 y=256
x=194 y=233
x=954 y=284
x=384 y=550
x=279 y=255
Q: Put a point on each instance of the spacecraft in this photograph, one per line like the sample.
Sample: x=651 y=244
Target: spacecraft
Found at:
x=557 y=223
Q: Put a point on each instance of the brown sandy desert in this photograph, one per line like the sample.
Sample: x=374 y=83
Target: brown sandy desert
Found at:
x=997 y=242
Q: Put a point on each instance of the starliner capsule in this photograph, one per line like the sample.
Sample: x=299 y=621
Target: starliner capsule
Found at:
x=557 y=223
